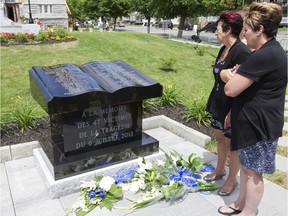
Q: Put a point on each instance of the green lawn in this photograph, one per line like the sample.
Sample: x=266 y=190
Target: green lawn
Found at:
x=193 y=77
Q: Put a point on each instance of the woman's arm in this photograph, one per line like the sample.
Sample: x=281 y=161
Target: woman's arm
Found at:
x=236 y=85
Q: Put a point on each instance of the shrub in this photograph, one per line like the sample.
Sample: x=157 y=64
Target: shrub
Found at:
x=22 y=37
x=169 y=97
x=149 y=105
x=3 y=39
x=200 y=50
x=197 y=111
x=25 y=118
x=31 y=36
x=60 y=31
x=42 y=36
x=167 y=63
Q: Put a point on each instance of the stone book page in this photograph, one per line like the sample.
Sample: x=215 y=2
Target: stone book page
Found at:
x=113 y=76
x=65 y=80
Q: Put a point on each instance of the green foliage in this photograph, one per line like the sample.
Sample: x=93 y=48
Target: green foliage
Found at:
x=167 y=63
x=169 y=97
x=149 y=105
x=173 y=191
x=22 y=37
x=212 y=146
x=60 y=31
x=42 y=36
x=115 y=193
x=194 y=162
x=25 y=118
x=77 y=9
x=196 y=110
x=200 y=50
x=3 y=39
x=282 y=150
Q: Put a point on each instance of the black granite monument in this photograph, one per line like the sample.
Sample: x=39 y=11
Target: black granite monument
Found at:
x=95 y=115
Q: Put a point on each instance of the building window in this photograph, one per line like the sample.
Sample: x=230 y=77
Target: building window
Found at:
x=51 y=11
x=45 y=8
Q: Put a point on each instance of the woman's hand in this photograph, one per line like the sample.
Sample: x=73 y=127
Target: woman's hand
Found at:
x=226 y=75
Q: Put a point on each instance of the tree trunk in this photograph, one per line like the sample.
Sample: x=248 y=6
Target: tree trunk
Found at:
x=148 y=24
x=181 y=26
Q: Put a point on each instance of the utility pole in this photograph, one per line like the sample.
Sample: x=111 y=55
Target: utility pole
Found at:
x=30 y=14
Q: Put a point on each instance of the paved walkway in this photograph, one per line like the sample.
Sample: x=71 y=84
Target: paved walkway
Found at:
x=23 y=192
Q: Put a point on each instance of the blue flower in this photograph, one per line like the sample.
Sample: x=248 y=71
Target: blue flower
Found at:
x=101 y=194
x=91 y=194
x=124 y=175
x=196 y=176
x=209 y=168
x=171 y=177
x=190 y=181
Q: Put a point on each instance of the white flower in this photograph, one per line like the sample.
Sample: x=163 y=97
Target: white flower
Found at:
x=171 y=183
x=160 y=162
x=142 y=167
x=141 y=170
x=91 y=185
x=125 y=186
x=148 y=165
x=80 y=204
x=140 y=160
x=106 y=183
x=174 y=159
x=95 y=201
x=137 y=185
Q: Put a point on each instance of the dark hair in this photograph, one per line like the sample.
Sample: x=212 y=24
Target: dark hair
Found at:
x=231 y=20
x=268 y=15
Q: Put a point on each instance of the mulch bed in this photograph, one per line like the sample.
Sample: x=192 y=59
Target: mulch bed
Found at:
x=11 y=135
x=50 y=41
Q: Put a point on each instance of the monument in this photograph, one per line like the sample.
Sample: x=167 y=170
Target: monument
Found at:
x=95 y=115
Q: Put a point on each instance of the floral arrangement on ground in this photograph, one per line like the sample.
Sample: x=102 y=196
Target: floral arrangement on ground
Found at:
x=168 y=180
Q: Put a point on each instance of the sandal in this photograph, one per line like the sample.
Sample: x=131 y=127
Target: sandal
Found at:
x=225 y=193
x=216 y=177
x=232 y=212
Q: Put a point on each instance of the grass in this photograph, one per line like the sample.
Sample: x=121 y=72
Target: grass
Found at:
x=279 y=177
x=142 y=51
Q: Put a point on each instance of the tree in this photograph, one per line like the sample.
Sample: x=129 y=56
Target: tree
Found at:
x=91 y=9
x=76 y=9
x=114 y=8
x=170 y=9
x=146 y=8
x=193 y=8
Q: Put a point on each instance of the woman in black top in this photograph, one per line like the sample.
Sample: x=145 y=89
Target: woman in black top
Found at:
x=232 y=52
x=257 y=115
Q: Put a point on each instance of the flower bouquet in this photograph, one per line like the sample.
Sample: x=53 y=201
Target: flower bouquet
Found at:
x=170 y=180
x=102 y=191
x=154 y=181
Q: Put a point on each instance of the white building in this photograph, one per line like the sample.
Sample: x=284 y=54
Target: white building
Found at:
x=49 y=12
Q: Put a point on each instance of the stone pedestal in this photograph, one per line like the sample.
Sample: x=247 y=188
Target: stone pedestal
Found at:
x=95 y=115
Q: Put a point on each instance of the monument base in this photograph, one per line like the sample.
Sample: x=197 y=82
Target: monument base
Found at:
x=69 y=185
x=64 y=166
